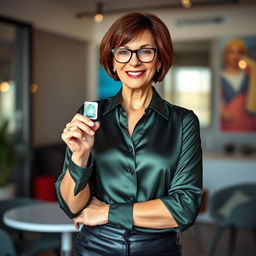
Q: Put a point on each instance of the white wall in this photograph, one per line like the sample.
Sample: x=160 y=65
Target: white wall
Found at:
x=48 y=16
x=238 y=20
x=60 y=70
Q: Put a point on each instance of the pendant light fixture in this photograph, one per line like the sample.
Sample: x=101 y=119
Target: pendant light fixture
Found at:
x=98 y=17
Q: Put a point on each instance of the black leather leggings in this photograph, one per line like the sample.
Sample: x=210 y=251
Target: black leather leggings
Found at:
x=108 y=240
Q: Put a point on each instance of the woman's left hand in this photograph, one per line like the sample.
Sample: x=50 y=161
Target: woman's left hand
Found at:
x=96 y=213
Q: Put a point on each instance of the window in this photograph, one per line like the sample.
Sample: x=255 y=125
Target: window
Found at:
x=188 y=83
x=15 y=74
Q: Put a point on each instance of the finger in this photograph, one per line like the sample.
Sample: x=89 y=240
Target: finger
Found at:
x=69 y=136
x=76 y=222
x=95 y=201
x=83 y=127
x=83 y=119
x=96 y=126
x=77 y=225
x=78 y=134
x=66 y=136
x=77 y=219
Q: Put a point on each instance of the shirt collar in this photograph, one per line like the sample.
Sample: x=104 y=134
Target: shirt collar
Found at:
x=156 y=103
x=112 y=102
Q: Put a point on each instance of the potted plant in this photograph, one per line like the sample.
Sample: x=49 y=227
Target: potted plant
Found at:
x=9 y=159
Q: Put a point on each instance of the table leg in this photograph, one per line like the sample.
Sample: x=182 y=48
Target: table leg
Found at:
x=66 y=243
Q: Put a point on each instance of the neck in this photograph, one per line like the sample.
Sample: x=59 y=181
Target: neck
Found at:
x=136 y=99
x=232 y=70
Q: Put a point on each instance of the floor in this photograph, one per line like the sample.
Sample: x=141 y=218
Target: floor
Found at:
x=196 y=241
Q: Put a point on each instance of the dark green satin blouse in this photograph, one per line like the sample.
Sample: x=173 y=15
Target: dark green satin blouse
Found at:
x=162 y=159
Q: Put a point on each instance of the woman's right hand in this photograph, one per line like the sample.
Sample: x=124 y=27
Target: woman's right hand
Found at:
x=79 y=137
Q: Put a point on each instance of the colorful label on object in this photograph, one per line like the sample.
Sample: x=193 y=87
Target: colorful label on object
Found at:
x=91 y=110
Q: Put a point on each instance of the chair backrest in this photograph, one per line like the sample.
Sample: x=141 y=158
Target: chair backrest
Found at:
x=243 y=215
x=6 y=245
x=222 y=196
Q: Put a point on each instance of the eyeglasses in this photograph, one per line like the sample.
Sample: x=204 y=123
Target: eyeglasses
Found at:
x=124 y=55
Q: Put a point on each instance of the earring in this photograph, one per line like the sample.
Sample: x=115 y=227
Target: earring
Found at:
x=114 y=70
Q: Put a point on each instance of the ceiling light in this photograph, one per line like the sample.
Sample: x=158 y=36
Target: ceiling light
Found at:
x=4 y=87
x=34 y=88
x=98 y=17
x=186 y=3
x=173 y=4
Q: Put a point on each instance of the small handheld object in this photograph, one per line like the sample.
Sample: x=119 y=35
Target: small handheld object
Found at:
x=91 y=110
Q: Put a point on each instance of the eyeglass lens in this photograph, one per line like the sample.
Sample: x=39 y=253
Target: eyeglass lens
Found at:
x=124 y=55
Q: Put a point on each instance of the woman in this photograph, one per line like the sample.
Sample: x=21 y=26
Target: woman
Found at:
x=134 y=179
x=235 y=81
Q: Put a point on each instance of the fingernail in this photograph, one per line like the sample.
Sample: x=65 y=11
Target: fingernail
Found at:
x=91 y=123
x=92 y=132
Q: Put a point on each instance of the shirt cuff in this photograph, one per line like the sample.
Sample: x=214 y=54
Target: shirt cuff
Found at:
x=80 y=175
x=121 y=215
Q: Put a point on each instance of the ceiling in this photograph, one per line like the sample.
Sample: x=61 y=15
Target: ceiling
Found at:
x=88 y=7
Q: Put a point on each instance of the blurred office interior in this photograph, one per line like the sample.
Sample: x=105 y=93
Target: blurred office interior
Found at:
x=49 y=65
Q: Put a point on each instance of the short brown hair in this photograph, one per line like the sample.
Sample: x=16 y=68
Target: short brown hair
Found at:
x=127 y=27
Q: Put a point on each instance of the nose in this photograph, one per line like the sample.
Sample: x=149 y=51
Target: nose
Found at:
x=134 y=61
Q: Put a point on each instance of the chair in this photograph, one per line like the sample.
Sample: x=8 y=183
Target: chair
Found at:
x=233 y=207
x=7 y=246
x=27 y=246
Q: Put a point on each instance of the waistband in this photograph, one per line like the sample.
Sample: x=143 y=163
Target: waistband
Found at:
x=109 y=231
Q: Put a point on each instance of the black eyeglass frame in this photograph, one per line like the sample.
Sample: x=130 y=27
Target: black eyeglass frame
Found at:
x=136 y=52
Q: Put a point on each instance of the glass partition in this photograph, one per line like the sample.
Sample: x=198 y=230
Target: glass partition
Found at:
x=15 y=80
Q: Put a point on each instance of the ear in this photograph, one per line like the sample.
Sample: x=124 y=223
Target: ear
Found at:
x=114 y=68
x=158 y=65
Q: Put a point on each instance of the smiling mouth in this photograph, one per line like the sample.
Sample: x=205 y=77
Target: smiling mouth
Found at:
x=135 y=74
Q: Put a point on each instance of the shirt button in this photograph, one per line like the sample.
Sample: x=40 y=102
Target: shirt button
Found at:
x=130 y=170
x=131 y=199
x=130 y=149
x=147 y=111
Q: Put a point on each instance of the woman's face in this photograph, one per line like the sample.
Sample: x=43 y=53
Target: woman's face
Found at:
x=233 y=55
x=136 y=74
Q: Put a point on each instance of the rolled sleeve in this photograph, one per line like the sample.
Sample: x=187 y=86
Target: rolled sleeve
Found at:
x=185 y=190
x=121 y=215
x=79 y=175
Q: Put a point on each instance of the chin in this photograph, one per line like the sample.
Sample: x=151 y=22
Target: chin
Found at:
x=136 y=85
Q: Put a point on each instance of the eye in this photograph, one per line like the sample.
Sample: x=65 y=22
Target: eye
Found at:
x=122 y=52
x=146 y=51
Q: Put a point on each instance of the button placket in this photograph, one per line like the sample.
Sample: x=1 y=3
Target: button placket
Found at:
x=132 y=172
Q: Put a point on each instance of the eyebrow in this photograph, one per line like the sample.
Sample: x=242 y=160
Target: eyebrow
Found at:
x=142 y=46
